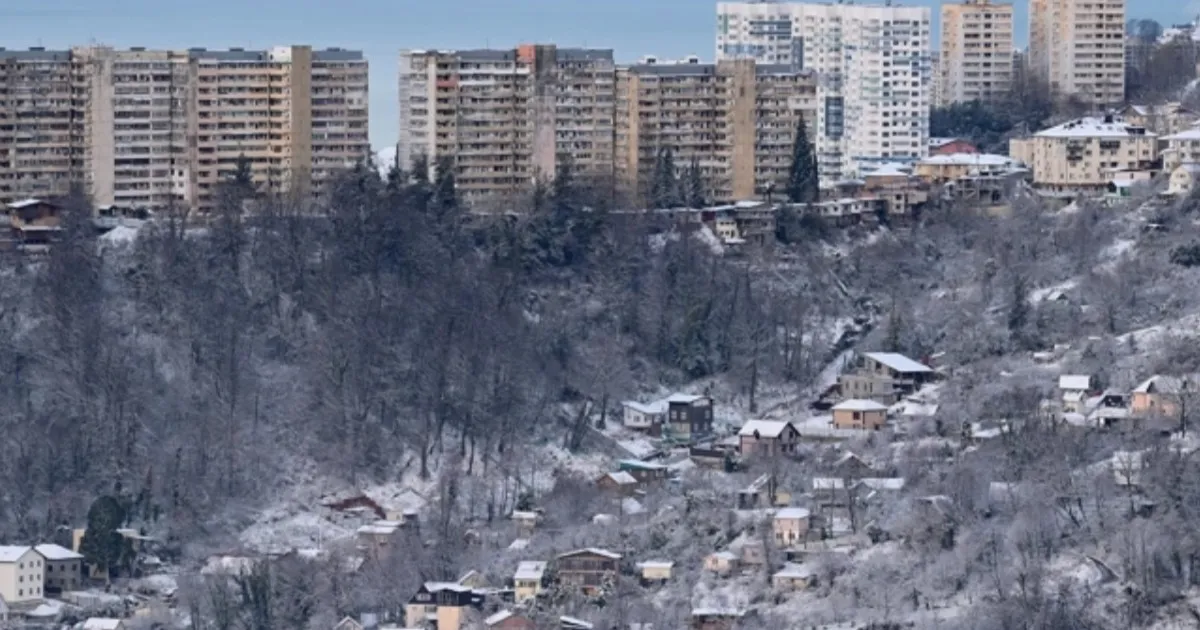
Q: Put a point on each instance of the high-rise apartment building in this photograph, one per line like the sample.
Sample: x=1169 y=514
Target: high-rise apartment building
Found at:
x=505 y=117
x=874 y=64
x=735 y=119
x=976 y=61
x=1078 y=48
x=150 y=128
x=36 y=156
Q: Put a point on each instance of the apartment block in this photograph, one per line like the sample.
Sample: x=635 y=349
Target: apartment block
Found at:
x=875 y=69
x=36 y=128
x=507 y=116
x=976 y=61
x=1078 y=48
x=1086 y=155
x=735 y=119
x=150 y=128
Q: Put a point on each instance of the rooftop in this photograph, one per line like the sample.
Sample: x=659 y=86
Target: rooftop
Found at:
x=792 y=513
x=1078 y=382
x=12 y=553
x=530 y=570
x=101 y=623
x=56 y=552
x=968 y=159
x=497 y=618
x=763 y=428
x=898 y=362
x=855 y=404
x=621 y=478
x=1090 y=127
x=592 y=550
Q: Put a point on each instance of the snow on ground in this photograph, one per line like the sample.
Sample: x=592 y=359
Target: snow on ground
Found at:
x=384 y=158
x=1045 y=293
x=121 y=235
x=706 y=236
x=638 y=447
x=277 y=531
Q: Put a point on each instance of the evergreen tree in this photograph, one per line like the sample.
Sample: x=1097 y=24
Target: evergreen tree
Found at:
x=564 y=190
x=664 y=192
x=396 y=177
x=802 y=186
x=102 y=545
x=697 y=196
x=419 y=189
x=445 y=188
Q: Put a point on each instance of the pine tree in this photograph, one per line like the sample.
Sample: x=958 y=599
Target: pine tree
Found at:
x=802 y=185
x=696 y=190
x=102 y=545
x=664 y=192
x=564 y=190
x=445 y=188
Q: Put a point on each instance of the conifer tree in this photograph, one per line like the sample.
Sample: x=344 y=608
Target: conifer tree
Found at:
x=802 y=185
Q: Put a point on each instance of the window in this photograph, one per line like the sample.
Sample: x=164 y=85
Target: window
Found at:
x=20 y=593
x=857 y=416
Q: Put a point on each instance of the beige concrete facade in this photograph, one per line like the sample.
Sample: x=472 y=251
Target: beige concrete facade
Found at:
x=35 y=124
x=507 y=116
x=736 y=119
x=151 y=128
x=1082 y=156
x=976 y=55
x=22 y=574
x=1078 y=47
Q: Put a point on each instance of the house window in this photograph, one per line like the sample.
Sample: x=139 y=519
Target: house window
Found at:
x=20 y=593
x=857 y=416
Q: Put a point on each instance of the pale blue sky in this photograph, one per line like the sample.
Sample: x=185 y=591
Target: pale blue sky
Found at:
x=670 y=28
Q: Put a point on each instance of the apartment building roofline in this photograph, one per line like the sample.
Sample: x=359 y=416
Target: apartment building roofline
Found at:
x=35 y=54
x=702 y=69
x=511 y=54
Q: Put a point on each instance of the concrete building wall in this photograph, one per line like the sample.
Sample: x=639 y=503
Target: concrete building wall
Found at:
x=976 y=51
x=36 y=132
x=1078 y=47
x=875 y=66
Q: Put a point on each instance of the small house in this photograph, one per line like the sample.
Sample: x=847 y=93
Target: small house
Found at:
x=829 y=491
x=35 y=221
x=63 y=568
x=715 y=618
x=527 y=581
x=1074 y=390
x=643 y=471
x=1183 y=179
x=721 y=562
x=851 y=466
x=348 y=623
x=859 y=414
x=592 y=570
x=526 y=521
x=884 y=377
x=508 y=620
x=22 y=574
x=442 y=606
x=754 y=552
x=761 y=493
x=688 y=417
x=620 y=482
x=655 y=571
x=790 y=526
x=793 y=577
x=378 y=539
x=645 y=417
x=1162 y=395
x=767 y=438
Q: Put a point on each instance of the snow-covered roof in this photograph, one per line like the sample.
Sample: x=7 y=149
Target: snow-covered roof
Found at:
x=530 y=570
x=1187 y=134
x=793 y=570
x=497 y=618
x=434 y=587
x=24 y=203
x=941 y=142
x=714 y=611
x=1163 y=384
x=524 y=515
x=655 y=407
x=377 y=530
x=621 y=478
x=592 y=550
x=656 y=564
x=724 y=555
x=630 y=505
x=883 y=483
x=968 y=159
x=683 y=398
x=518 y=544
x=572 y=622
x=855 y=404
x=1191 y=167
x=1090 y=127
x=12 y=553
x=57 y=552
x=828 y=483
x=641 y=465
x=889 y=169
x=792 y=513
x=1078 y=382
x=898 y=362
x=101 y=623
x=764 y=428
